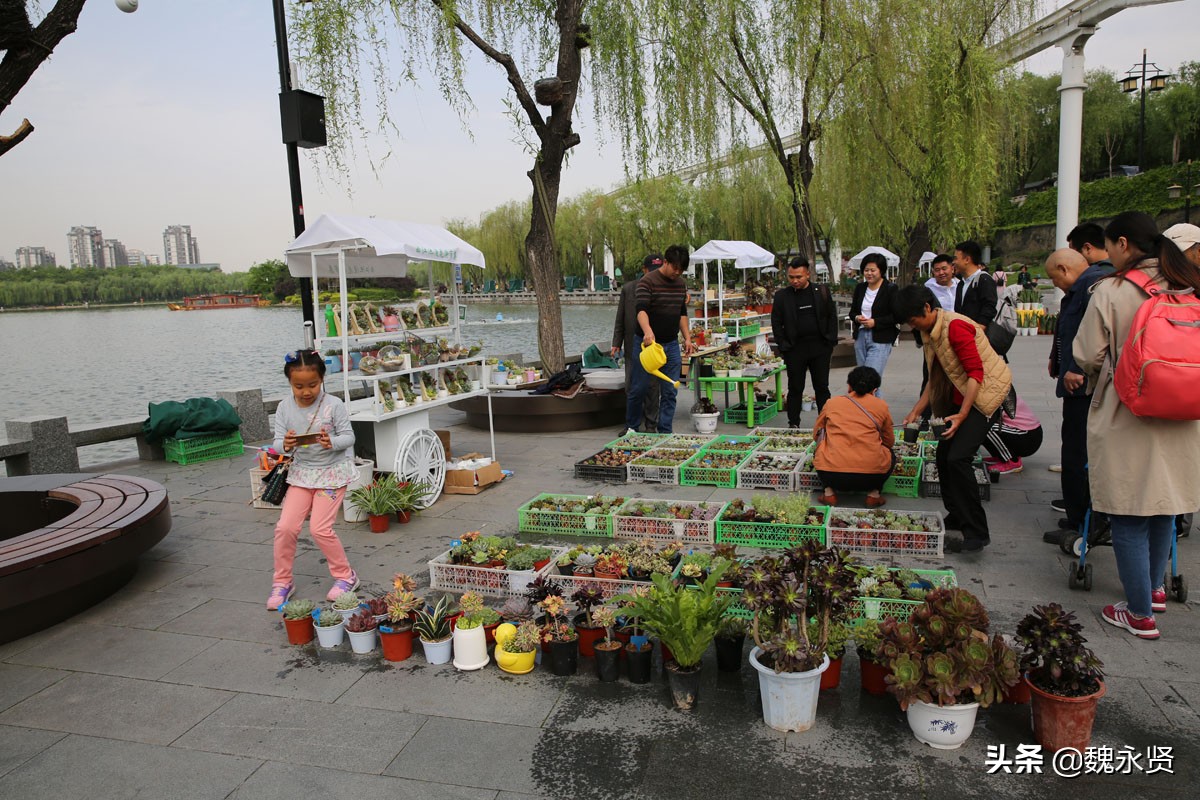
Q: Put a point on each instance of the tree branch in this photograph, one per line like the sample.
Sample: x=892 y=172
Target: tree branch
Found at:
x=9 y=142
x=764 y=119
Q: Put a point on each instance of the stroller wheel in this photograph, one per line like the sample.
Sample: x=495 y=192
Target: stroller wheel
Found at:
x=1075 y=578
x=1087 y=577
x=1179 y=588
x=1067 y=545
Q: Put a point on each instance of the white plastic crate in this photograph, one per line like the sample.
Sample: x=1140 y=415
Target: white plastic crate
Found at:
x=609 y=587
x=487 y=581
x=921 y=544
x=688 y=531
x=748 y=478
x=648 y=473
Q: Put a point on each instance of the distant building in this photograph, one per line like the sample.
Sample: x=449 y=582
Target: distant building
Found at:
x=137 y=258
x=34 y=257
x=6 y=265
x=179 y=246
x=114 y=254
x=153 y=259
x=86 y=245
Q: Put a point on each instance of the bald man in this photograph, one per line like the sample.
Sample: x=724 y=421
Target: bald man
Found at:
x=1187 y=238
x=1070 y=271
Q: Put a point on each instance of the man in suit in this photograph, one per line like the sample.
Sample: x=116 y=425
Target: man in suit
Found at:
x=804 y=323
x=624 y=330
x=976 y=294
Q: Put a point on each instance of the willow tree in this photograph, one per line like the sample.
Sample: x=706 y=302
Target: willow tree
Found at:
x=914 y=154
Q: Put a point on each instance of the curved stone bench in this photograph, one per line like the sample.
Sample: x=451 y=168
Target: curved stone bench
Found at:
x=69 y=541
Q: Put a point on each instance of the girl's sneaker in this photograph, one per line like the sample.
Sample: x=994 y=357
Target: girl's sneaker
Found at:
x=1120 y=616
x=1158 y=600
x=280 y=592
x=1007 y=467
x=340 y=586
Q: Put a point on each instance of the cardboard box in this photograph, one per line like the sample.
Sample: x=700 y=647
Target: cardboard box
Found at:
x=472 y=481
x=445 y=438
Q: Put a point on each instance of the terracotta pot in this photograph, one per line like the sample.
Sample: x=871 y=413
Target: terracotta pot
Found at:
x=1060 y=722
x=403 y=516
x=587 y=637
x=398 y=645
x=489 y=632
x=831 y=678
x=614 y=576
x=872 y=676
x=299 y=631
x=380 y=522
x=537 y=565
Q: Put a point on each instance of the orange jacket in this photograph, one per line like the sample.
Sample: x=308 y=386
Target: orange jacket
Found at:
x=852 y=442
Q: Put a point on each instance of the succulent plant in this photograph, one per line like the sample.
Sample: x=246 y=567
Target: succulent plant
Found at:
x=346 y=601
x=328 y=618
x=525 y=640
x=542 y=587
x=1055 y=656
x=361 y=622
x=401 y=604
x=377 y=606
x=516 y=609
x=521 y=560
x=298 y=609
x=587 y=598
x=732 y=628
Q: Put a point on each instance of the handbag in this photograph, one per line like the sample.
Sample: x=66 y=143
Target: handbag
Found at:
x=275 y=481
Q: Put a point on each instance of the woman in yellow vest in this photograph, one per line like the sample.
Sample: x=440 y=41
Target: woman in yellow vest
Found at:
x=967 y=385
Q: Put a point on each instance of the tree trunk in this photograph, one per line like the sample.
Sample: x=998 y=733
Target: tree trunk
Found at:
x=799 y=173
x=918 y=243
x=543 y=259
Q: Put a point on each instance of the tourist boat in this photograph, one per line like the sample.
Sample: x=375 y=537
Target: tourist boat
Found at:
x=206 y=301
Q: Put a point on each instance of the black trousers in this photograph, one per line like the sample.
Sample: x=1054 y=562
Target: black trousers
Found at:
x=1008 y=444
x=960 y=494
x=810 y=356
x=1074 y=458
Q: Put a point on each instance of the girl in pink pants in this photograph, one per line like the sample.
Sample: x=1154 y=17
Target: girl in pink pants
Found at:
x=314 y=429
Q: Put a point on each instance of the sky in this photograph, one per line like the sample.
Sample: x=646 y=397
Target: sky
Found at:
x=170 y=116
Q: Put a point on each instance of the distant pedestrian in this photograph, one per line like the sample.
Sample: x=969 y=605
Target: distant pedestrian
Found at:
x=804 y=323
x=1025 y=279
x=624 y=332
x=661 y=316
x=1000 y=277
x=320 y=472
x=976 y=294
x=873 y=314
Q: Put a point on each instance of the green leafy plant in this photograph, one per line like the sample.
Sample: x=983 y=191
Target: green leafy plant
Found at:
x=298 y=609
x=521 y=560
x=1055 y=656
x=433 y=624
x=410 y=495
x=378 y=497
x=684 y=619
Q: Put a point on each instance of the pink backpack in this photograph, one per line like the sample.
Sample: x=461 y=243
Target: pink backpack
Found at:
x=1157 y=373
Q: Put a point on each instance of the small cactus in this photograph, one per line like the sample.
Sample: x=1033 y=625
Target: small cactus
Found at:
x=298 y=609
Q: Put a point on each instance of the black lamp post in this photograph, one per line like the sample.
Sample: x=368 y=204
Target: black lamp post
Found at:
x=1131 y=83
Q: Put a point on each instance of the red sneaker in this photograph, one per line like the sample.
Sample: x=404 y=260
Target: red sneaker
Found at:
x=1120 y=616
x=1158 y=600
x=1007 y=467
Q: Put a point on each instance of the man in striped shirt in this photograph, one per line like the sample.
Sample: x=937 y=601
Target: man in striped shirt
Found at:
x=661 y=316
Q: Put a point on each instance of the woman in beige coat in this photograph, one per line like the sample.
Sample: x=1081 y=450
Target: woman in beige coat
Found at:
x=1142 y=471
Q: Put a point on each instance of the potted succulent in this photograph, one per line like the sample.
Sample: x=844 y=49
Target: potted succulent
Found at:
x=1064 y=677
x=685 y=620
x=608 y=649
x=520 y=569
x=489 y=618
x=331 y=628
x=516 y=610
x=585 y=564
x=610 y=565
x=872 y=673
x=396 y=632
x=378 y=499
x=783 y=590
x=470 y=642
x=390 y=317
x=433 y=626
x=560 y=635
x=943 y=666
x=638 y=652
x=361 y=628
x=587 y=630
x=730 y=641
x=298 y=620
x=347 y=604
x=516 y=647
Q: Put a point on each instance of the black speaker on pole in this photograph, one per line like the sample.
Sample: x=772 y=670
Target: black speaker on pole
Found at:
x=303 y=116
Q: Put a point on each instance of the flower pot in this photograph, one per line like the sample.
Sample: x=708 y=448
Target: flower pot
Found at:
x=331 y=635
x=729 y=653
x=911 y=434
x=721 y=373
x=789 y=699
x=1017 y=695
x=608 y=662
x=1060 y=722
x=684 y=684
x=612 y=576
x=380 y=522
x=391 y=323
x=519 y=580
x=537 y=565
x=470 y=648
x=640 y=661
x=705 y=423
x=499 y=378
x=566 y=569
x=582 y=572
x=735 y=373
x=351 y=512
x=299 y=631
x=397 y=645
x=489 y=632
x=403 y=516
x=564 y=657
x=515 y=663
x=667 y=656
x=872 y=675
x=832 y=677
x=347 y=613
x=362 y=642
x=942 y=727
x=938 y=430
x=587 y=636
x=437 y=652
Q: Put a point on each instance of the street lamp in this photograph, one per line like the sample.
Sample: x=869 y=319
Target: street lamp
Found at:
x=1155 y=83
x=1174 y=191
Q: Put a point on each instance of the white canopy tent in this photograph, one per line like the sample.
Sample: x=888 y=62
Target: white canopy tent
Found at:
x=926 y=262
x=893 y=260
x=744 y=255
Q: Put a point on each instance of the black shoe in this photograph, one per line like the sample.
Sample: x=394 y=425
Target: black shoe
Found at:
x=966 y=545
x=1066 y=525
x=1055 y=537
x=1059 y=505
x=952 y=524
x=795 y=426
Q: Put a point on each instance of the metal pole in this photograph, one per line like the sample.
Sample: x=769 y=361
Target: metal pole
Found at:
x=293 y=153
x=1187 y=194
x=1142 y=123
x=1070 y=134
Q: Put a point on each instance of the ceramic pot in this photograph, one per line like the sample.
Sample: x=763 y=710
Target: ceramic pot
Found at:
x=942 y=727
x=515 y=663
x=470 y=648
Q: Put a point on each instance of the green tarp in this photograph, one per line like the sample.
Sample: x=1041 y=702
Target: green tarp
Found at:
x=191 y=418
x=593 y=358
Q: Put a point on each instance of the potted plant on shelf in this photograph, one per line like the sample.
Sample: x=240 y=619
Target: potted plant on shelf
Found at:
x=331 y=628
x=1064 y=677
x=361 y=628
x=470 y=642
x=390 y=317
x=729 y=641
x=298 y=620
x=943 y=667
x=433 y=626
x=587 y=630
x=409 y=497
x=378 y=499
x=608 y=649
x=516 y=647
x=560 y=635
x=685 y=620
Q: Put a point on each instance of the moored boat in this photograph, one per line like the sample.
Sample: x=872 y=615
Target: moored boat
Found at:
x=207 y=301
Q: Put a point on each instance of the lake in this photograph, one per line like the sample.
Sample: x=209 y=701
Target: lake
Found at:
x=101 y=365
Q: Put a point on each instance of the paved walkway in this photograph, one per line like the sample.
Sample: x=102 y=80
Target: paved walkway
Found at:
x=182 y=686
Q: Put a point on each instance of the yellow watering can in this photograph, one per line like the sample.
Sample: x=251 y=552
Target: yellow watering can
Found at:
x=653 y=359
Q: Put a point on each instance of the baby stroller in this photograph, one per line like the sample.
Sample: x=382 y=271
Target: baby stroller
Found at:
x=1080 y=575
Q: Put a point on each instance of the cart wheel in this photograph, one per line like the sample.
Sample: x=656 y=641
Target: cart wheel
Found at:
x=1077 y=546
x=1179 y=588
x=1067 y=545
x=1074 y=578
x=1087 y=577
x=420 y=457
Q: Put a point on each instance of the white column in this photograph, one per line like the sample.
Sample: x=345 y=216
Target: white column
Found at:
x=1070 y=132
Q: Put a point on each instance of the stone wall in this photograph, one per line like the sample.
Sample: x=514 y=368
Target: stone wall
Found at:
x=1031 y=245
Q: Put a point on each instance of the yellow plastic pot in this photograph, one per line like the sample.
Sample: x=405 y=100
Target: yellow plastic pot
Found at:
x=653 y=359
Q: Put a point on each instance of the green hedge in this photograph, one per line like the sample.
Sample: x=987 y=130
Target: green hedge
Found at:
x=1104 y=198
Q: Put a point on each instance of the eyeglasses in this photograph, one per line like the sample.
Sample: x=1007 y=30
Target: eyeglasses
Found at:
x=292 y=358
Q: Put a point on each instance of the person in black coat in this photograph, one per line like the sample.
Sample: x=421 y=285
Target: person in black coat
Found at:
x=873 y=314
x=976 y=295
x=804 y=324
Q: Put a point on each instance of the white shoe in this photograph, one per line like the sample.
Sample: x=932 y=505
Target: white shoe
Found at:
x=1055 y=467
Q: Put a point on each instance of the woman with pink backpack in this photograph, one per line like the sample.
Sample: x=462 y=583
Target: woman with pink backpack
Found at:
x=1143 y=434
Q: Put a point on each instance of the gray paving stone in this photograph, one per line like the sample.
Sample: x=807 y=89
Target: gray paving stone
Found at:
x=300 y=732
x=18 y=683
x=130 y=608
x=275 y=781
x=499 y=757
x=18 y=745
x=245 y=585
x=154 y=574
x=229 y=619
x=304 y=673
x=109 y=650
x=116 y=708
x=104 y=769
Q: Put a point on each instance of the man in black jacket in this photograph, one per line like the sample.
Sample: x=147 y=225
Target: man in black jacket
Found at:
x=976 y=296
x=804 y=323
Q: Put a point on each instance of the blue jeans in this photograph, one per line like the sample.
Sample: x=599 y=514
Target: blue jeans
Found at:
x=1142 y=546
x=869 y=354
x=666 y=392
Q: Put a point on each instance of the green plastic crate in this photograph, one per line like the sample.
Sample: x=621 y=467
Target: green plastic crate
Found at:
x=882 y=607
x=203 y=448
x=568 y=523
x=905 y=486
x=770 y=534
x=739 y=414
x=694 y=472
x=638 y=441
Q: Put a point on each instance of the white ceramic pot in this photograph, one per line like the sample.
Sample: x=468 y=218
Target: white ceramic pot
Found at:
x=347 y=614
x=437 y=652
x=519 y=580
x=362 y=642
x=705 y=423
x=789 y=699
x=331 y=636
x=721 y=373
x=943 y=727
x=735 y=373
x=470 y=648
